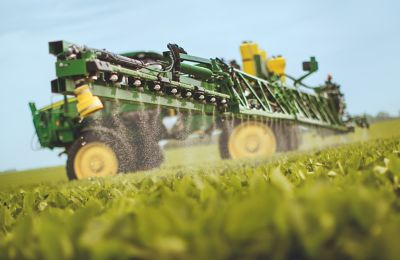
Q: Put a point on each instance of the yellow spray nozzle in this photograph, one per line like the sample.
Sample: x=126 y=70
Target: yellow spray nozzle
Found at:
x=87 y=103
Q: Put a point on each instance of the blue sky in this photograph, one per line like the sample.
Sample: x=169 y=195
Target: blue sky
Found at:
x=357 y=41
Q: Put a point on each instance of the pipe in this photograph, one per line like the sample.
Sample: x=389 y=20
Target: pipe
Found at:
x=197 y=71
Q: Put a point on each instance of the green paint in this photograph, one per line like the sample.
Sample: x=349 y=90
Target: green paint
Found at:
x=263 y=97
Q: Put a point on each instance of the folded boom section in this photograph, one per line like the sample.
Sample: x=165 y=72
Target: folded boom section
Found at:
x=178 y=80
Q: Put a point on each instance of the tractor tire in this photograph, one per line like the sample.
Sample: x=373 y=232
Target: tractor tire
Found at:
x=148 y=130
x=223 y=144
x=246 y=140
x=99 y=153
x=288 y=137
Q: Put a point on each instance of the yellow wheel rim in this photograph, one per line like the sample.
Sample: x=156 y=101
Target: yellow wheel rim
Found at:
x=251 y=139
x=95 y=159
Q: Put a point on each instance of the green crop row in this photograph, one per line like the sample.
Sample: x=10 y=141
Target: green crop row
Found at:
x=339 y=203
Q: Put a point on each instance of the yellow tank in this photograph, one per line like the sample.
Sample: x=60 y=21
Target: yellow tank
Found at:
x=277 y=66
x=86 y=102
x=274 y=65
x=263 y=55
x=248 y=50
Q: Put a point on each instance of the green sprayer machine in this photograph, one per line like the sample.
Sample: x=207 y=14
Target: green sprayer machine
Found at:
x=110 y=119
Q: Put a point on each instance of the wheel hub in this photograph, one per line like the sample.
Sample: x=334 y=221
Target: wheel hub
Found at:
x=96 y=164
x=251 y=139
x=252 y=143
x=95 y=159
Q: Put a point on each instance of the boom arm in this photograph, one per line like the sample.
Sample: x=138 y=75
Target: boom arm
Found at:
x=186 y=82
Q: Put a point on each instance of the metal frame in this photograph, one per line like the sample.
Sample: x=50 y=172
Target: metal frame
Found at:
x=227 y=92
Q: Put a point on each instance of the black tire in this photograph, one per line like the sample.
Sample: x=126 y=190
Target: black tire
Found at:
x=288 y=136
x=147 y=129
x=223 y=141
x=120 y=128
x=228 y=128
x=125 y=154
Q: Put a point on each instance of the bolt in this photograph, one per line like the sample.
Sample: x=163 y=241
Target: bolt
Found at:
x=212 y=100
x=114 y=77
x=157 y=87
x=201 y=97
x=174 y=91
x=137 y=83
x=188 y=94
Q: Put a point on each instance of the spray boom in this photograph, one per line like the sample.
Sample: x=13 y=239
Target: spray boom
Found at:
x=179 y=80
